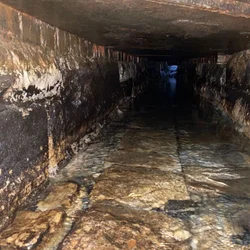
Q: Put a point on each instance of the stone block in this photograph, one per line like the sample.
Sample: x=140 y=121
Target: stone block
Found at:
x=139 y=187
x=9 y=21
x=62 y=42
x=83 y=48
x=47 y=36
x=31 y=30
x=23 y=152
x=112 y=226
x=74 y=44
x=32 y=228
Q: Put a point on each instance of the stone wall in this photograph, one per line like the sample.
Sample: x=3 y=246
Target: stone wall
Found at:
x=54 y=86
x=226 y=88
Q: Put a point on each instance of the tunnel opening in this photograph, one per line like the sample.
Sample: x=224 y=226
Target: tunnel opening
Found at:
x=125 y=125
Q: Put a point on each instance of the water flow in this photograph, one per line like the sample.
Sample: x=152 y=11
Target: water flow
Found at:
x=217 y=174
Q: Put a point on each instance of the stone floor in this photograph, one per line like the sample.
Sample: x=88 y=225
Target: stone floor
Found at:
x=161 y=181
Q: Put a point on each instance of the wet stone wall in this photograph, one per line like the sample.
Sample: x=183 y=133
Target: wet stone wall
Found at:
x=54 y=88
x=226 y=88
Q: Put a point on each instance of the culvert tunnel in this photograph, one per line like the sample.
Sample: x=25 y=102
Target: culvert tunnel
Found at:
x=124 y=124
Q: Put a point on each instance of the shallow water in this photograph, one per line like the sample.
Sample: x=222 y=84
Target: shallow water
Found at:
x=217 y=174
x=161 y=178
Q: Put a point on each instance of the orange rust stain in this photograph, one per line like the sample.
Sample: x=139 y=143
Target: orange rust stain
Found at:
x=94 y=49
x=102 y=51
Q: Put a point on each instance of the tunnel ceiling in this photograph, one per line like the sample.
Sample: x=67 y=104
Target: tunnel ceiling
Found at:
x=174 y=28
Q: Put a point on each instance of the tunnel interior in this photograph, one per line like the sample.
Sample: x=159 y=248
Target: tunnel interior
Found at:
x=124 y=124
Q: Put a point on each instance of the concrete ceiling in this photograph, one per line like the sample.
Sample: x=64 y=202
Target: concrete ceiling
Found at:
x=178 y=28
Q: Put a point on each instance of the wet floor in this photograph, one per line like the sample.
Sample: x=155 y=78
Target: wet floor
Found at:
x=160 y=178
